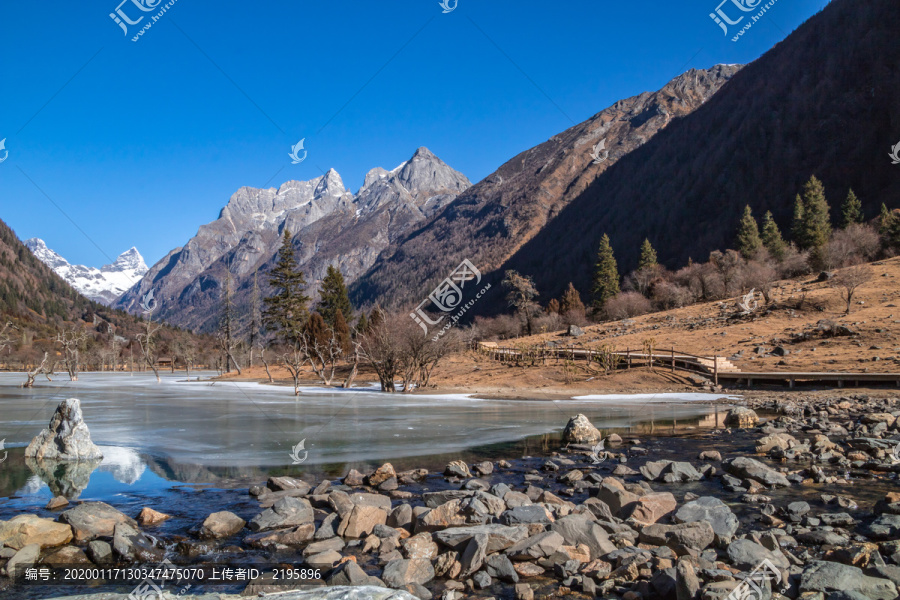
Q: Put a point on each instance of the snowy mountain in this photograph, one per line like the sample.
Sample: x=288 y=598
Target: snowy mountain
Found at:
x=104 y=285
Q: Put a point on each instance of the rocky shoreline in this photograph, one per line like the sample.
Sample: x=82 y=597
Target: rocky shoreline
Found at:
x=594 y=519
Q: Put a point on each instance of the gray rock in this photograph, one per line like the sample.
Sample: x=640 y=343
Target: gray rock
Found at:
x=885 y=527
x=457 y=468
x=100 y=553
x=134 y=546
x=287 y=512
x=749 y=468
x=474 y=555
x=578 y=529
x=348 y=573
x=23 y=559
x=746 y=555
x=482 y=580
x=823 y=576
x=91 y=520
x=697 y=535
x=540 y=545
x=221 y=525
x=713 y=511
x=579 y=430
x=670 y=471
x=687 y=584
x=399 y=573
x=66 y=438
x=533 y=513
x=500 y=567
x=741 y=417
x=500 y=537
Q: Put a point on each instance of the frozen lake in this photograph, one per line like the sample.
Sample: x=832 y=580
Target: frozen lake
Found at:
x=204 y=432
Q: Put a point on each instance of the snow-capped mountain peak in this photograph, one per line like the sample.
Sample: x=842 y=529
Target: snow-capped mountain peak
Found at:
x=104 y=285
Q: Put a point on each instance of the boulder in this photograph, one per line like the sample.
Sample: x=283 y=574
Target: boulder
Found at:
x=670 y=471
x=474 y=555
x=220 y=525
x=23 y=559
x=652 y=507
x=382 y=474
x=361 y=521
x=748 y=468
x=824 y=576
x=420 y=546
x=579 y=529
x=500 y=537
x=400 y=573
x=531 y=513
x=92 y=520
x=741 y=417
x=746 y=555
x=457 y=468
x=350 y=574
x=540 y=545
x=149 y=517
x=780 y=441
x=287 y=512
x=695 y=536
x=713 y=511
x=579 y=430
x=67 y=556
x=134 y=546
x=288 y=484
x=291 y=537
x=25 y=530
x=66 y=438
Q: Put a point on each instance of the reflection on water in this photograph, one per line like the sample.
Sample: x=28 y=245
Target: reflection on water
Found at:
x=156 y=435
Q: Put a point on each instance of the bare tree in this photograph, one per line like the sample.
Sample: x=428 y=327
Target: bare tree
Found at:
x=72 y=341
x=149 y=351
x=381 y=348
x=225 y=335
x=322 y=352
x=849 y=281
x=355 y=355
x=420 y=355
x=37 y=371
x=293 y=361
x=186 y=349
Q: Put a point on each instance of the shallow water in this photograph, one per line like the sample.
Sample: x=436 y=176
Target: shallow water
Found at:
x=154 y=435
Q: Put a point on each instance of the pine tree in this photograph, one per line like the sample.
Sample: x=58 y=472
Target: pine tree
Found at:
x=333 y=296
x=798 y=226
x=748 y=240
x=648 y=256
x=571 y=301
x=376 y=318
x=362 y=326
x=771 y=237
x=552 y=307
x=286 y=312
x=606 y=274
x=816 y=214
x=889 y=228
x=851 y=210
x=342 y=330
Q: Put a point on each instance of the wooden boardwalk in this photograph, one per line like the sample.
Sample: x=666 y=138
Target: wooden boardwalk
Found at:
x=718 y=368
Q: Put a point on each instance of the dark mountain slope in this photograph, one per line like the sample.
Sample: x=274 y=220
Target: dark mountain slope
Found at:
x=823 y=102
x=492 y=219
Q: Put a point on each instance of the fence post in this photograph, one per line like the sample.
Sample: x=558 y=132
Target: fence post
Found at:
x=673 y=359
x=716 y=369
x=628 y=358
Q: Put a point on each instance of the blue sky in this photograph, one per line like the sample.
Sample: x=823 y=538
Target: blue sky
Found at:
x=139 y=143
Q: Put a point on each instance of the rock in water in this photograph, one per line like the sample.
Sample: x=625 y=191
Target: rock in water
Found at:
x=741 y=417
x=66 y=438
x=579 y=430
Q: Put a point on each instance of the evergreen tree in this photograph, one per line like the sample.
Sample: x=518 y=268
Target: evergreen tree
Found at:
x=552 y=307
x=376 y=318
x=342 y=330
x=606 y=274
x=851 y=210
x=571 y=301
x=286 y=312
x=748 y=240
x=333 y=296
x=771 y=237
x=797 y=228
x=889 y=228
x=648 y=256
x=362 y=326
x=816 y=215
